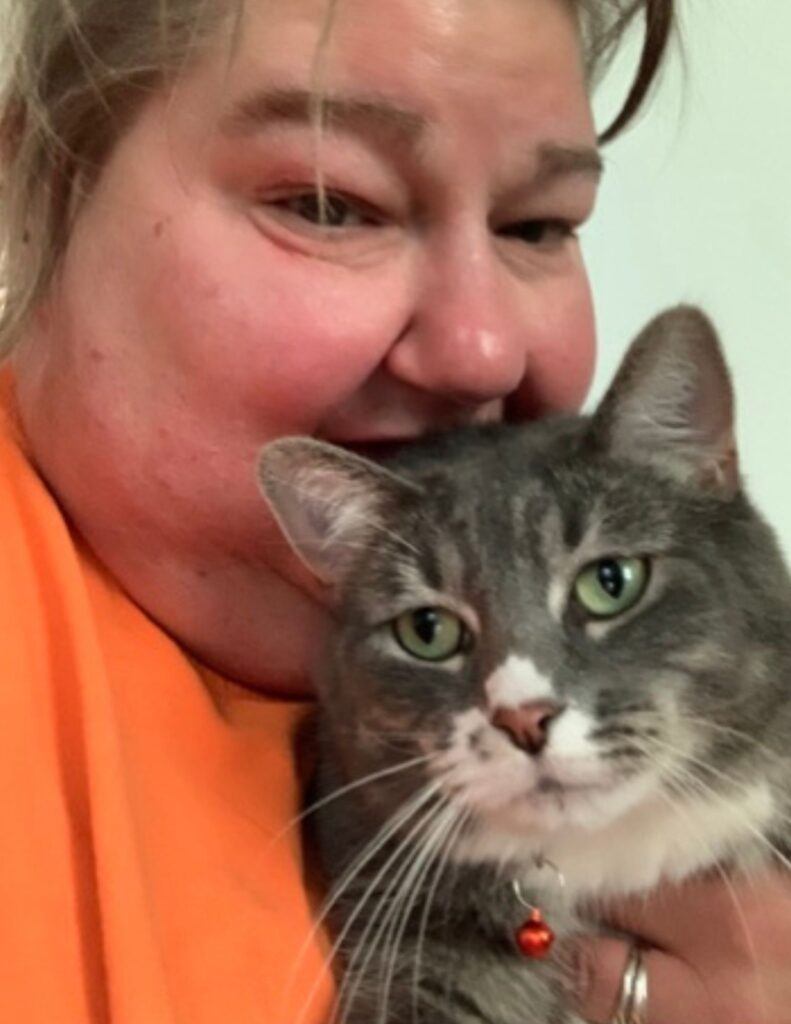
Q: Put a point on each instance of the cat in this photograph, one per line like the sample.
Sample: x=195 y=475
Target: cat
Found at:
x=559 y=673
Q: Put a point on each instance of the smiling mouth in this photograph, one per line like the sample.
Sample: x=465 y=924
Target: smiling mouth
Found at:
x=377 y=451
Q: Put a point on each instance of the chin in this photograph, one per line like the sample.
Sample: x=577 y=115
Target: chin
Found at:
x=568 y=825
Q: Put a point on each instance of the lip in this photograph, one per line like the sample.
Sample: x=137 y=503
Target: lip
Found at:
x=378 y=450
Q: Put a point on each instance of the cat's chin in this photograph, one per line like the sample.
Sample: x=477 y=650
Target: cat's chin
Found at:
x=550 y=807
x=544 y=816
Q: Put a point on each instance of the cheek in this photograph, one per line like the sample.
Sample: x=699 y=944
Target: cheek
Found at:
x=562 y=349
x=281 y=338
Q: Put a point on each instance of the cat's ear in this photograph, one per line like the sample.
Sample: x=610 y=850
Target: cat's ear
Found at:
x=328 y=502
x=671 y=404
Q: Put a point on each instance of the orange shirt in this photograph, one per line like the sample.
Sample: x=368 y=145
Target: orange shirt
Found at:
x=145 y=875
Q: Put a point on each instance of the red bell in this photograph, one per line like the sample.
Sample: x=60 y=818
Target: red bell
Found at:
x=535 y=937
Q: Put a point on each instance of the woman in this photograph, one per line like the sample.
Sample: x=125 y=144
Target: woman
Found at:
x=180 y=292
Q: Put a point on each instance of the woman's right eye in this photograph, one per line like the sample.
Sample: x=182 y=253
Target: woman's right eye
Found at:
x=327 y=210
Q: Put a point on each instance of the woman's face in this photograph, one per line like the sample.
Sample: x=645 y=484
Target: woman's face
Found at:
x=202 y=309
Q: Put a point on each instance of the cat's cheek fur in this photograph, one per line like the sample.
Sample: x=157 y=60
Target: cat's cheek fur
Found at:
x=667 y=841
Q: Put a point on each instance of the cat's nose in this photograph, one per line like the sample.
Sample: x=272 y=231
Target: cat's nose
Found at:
x=527 y=726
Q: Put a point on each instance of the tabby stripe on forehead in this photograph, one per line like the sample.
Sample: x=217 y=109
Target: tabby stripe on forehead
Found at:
x=551 y=536
x=569 y=539
x=446 y=569
x=430 y=564
x=553 y=552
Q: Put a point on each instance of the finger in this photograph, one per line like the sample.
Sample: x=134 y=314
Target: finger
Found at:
x=676 y=994
x=704 y=912
x=600 y=967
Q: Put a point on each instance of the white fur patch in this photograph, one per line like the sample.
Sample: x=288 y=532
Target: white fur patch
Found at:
x=517 y=681
x=654 y=840
x=569 y=736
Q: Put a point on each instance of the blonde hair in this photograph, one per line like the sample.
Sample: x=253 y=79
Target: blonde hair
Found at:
x=75 y=73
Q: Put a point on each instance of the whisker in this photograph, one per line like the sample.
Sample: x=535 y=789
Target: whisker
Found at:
x=675 y=766
x=712 y=793
x=421 y=867
x=336 y=794
x=408 y=846
x=449 y=842
x=368 y=852
x=730 y=730
x=718 y=773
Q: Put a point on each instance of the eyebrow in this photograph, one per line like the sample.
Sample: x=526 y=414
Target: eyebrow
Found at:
x=301 y=106
x=556 y=160
x=371 y=112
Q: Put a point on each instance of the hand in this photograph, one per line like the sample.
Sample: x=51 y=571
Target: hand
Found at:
x=718 y=952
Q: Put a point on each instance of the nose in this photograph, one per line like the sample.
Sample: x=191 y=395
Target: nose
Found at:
x=465 y=339
x=527 y=726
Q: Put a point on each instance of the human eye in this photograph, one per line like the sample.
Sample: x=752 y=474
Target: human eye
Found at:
x=540 y=232
x=325 y=210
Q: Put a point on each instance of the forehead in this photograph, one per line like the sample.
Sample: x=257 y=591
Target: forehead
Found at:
x=514 y=64
x=459 y=35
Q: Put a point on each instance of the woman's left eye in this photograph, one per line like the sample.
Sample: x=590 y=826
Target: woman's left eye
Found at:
x=611 y=586
x=541 y=231
x=327 y=210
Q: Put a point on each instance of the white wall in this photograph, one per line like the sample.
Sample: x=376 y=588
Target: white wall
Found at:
x=696 y=207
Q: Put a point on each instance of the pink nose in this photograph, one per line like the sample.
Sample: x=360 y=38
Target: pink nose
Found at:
x=528 y=725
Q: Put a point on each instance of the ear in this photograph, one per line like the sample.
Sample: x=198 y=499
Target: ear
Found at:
x=328 y=502
x=671 y=404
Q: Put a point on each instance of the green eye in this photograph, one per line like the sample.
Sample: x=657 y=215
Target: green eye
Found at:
x=431 y=634
x=611 y=586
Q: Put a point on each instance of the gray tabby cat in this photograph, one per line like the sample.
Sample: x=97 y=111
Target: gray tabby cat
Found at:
x=561 y=660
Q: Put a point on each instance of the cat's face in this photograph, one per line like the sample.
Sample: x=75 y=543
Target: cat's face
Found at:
x=555 y=641
x=555 y=620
